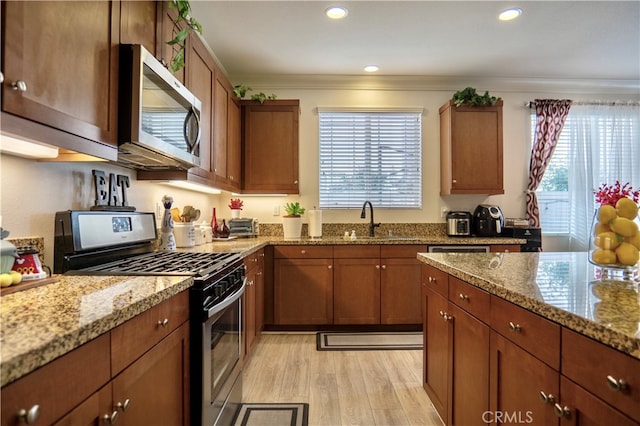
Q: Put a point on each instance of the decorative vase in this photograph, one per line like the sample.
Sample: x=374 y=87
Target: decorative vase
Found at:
x=292 y=226
x=614 y=242
x=235 y=213
x=215 y=231
x=224 y=230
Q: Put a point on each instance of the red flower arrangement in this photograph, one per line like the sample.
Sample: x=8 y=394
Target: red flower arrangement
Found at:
x=236 y=204
x=610 y=194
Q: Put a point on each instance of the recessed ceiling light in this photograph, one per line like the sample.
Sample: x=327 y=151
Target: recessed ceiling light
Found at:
x=371 y=68
x=336 y=12
x=509 y=14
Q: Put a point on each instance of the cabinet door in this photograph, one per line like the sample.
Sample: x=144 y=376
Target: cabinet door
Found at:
x=470 y=358
x=221 y=95
x=270 y=146
x=579 y=407
x=249 y=308
x=138 y=21
x=356 y=291
x=400 y=291
x=234 y=148
x=154 y=390
x=96 y=410
x=200 y=81
x=73 y=88
x=437 y=366
x=518 y=384
x=471 y=149
x=303 y=291
x=169 y=30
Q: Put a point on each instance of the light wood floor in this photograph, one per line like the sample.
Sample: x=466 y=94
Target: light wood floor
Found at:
x=341 y=387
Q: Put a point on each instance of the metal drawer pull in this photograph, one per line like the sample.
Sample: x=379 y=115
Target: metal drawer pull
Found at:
x=616 y=385
x=448 y=317
x=514 y=328
x=547 y=399
x=561 y=411
x=432 y=280
x=30 y=416
x=303 y=251
x=19 y=85
x=123 y=406
x=384 y=266
x=330 y=266
x=164 y=322
x=463 y=297
x=111 y=419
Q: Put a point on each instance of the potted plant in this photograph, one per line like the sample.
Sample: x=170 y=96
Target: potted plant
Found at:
x=236 y=206
x=469 y=96
x=292 y=221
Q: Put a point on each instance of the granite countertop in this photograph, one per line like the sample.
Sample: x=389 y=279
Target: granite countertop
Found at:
x=40 y=324
x=562 y=287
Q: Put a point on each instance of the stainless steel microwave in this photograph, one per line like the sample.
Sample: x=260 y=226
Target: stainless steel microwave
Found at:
x=159 y=118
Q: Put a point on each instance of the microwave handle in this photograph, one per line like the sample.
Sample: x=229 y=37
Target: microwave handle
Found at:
x=191 y=143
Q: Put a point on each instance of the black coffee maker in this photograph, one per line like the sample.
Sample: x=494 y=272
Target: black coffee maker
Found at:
x=487 y=221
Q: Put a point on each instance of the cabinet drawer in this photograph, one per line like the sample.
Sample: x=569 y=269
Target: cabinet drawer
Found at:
x=472 y=299
x=254 y=260
x=435 y=279
x=404 y=250
x=593 y=365
x=136 y=336
x=533 y=333
x=60 y=385
x=303 y=252
x=356 y=251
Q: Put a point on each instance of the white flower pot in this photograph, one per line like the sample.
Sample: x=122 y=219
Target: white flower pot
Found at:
x=292 y=227
x=235 y=213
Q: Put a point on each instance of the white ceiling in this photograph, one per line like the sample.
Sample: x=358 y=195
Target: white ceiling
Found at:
x=591 y=40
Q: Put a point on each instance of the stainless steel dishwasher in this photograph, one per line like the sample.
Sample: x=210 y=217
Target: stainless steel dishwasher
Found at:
x=458 y=249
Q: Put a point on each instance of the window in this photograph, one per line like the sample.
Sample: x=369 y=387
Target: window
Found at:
x=598 y=144
x=370 y=155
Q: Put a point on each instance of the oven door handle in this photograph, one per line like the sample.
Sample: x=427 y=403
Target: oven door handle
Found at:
x=226 y=302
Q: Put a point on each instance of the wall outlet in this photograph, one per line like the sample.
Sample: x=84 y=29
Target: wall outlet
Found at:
x=443 y=212
x=276 y=210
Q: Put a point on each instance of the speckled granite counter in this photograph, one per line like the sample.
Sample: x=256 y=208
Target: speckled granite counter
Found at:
x=562 y=287
x=41 y=324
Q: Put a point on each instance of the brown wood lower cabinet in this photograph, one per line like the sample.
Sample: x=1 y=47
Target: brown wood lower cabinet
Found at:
x=456 y=349
x=253 y=300
x=81 y=388
x=487 y=360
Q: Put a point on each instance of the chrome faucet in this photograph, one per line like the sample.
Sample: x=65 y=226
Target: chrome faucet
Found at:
x=372 y=226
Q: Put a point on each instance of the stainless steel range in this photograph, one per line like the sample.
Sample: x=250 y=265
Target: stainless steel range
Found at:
x=121 y=243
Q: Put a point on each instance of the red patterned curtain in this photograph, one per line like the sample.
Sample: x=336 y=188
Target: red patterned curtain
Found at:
x=550 y=117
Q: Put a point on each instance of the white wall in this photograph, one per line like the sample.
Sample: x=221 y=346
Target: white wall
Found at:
x=31 y=192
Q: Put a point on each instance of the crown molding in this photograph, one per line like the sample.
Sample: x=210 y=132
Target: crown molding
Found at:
x=436 y=83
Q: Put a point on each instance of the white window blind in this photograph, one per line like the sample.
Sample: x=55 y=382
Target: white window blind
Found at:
x=373 y=156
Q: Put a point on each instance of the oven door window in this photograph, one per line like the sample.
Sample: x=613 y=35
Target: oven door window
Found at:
x=221 y=349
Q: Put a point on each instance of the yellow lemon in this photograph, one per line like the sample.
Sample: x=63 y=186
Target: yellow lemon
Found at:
x=608 y=240
x=16 y=277
x=623 y=226
x=600 y=228
x=606 y=213
x=634 y=240
x=625 y=207
x=627 y=254
x=603 y=257
x=5 y=280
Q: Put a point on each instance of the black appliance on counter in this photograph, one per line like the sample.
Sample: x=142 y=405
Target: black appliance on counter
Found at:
x=121 y=243
x=459 y=224
x=488 y=221
x=531 y=234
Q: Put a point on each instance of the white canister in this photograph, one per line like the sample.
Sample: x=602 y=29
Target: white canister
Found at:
x=185 y=234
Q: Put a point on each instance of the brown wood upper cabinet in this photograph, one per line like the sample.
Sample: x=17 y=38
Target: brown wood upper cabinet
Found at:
x=226 y=134
x=139 y=24
x=270 y=146
x=471 y=149
x=70 y=98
